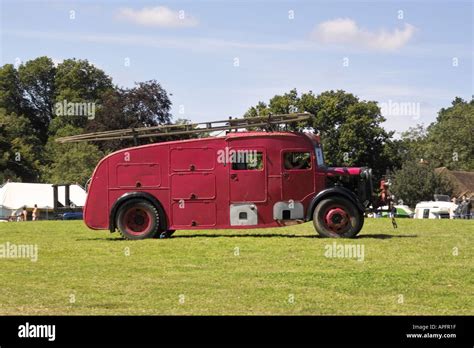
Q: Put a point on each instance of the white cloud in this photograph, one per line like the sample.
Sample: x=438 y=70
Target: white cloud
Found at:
x=346 y=31
x=159 y=16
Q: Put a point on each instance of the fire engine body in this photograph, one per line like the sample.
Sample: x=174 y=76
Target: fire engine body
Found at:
x=241 y=180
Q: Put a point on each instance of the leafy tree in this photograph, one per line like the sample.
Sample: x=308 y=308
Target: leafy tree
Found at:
x=446 y=142
x=11 y=93
x=29 y=123
x=413 y=143
x=286 y=103
x=20 y=148
x=261 y=109
x=145 y=105
x=37 y=83
x=67 y=163
x=416 y=182
x=28 y=96
x=449 y=140
x=36 y=86
x=78 y=81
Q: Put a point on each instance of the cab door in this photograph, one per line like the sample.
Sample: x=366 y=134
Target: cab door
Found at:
x=247 y=174
x=297 y=174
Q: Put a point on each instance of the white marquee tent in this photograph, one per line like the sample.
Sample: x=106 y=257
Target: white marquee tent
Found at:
x=15 y=195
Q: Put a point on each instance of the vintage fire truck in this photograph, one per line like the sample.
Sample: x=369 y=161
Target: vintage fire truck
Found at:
x=250 y=179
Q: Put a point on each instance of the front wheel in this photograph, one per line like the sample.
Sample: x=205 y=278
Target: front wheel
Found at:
x=138 y=219
x=337 y=217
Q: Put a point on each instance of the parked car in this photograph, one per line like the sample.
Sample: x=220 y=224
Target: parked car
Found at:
x=72 y=216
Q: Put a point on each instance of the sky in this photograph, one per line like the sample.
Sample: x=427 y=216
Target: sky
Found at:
x=217 y=58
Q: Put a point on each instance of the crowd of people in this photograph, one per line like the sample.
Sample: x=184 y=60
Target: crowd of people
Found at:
x=23 y=215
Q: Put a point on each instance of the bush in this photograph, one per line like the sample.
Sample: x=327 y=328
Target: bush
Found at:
x=416 y=182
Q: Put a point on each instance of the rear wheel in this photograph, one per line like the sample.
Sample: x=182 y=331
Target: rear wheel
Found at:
x=138 y=219
x=337 y=217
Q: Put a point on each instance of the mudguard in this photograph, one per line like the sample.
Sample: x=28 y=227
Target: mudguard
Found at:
x=333 y=191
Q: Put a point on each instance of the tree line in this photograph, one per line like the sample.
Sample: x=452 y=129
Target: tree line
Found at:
x=352 y=135
x=36 y=100
x=40 y=100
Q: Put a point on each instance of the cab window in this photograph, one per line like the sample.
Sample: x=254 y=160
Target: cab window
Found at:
x=297 y=160
x=248 y=160
x=319 y=156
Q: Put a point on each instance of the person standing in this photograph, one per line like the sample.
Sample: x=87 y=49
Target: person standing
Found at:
x=452 y=210
x=24 y=214
x=463 y=207
x=468 y=208
x=35 y=213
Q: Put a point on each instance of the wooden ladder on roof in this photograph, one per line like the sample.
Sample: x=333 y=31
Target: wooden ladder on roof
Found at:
x=268 y=122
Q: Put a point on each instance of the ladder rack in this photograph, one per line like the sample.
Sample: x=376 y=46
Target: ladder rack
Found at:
x=268 y=122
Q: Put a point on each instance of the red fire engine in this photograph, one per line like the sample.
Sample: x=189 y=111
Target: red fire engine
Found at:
x=241 y=180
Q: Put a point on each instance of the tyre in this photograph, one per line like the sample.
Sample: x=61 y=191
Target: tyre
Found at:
x=138 y=219
x=337 y=217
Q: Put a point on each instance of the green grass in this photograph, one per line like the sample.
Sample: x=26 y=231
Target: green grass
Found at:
x=415 y=261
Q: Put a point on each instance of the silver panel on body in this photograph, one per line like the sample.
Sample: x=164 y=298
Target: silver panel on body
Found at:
x=243 y=214
x=295 y=209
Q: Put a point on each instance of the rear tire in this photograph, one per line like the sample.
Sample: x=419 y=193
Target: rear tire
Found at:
x=138 y=219
x=337 y=217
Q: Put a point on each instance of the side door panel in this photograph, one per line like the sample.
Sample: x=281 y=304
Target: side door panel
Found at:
x=248 y=185
x=193 y=189
x=296 y=184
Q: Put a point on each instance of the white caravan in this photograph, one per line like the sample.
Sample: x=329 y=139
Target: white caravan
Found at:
x=433 y=210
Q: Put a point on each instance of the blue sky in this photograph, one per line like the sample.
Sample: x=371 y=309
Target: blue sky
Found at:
x=421 y=57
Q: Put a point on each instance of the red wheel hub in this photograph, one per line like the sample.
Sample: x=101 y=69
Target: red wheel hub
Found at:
x=336 y=218
x=137 y=220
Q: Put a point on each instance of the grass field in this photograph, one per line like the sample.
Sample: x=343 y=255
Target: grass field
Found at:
x=424 y=267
